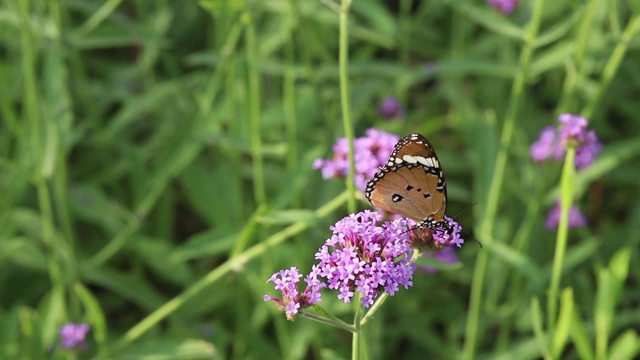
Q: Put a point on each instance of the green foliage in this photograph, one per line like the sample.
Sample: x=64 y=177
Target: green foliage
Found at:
x=155 y=170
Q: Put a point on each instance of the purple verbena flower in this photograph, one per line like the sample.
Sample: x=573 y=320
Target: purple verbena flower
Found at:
x=447 y=255
x=286 y=281
x=371 y=152
x=545 y=146
x=73 y=335
x=576 y=219
x=587 y=152
x=572 y=132
x=365 y=257
x=505 y=6
x=390 y=108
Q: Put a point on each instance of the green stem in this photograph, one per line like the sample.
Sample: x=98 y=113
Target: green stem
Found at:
x=567 y=183
x=495 y=189
x=633 y=27
x=332 y=323
x=345 y=102
x=356 y=341
x=577 y=69
x=289 y=100
x=254 y=110
x=41 y=171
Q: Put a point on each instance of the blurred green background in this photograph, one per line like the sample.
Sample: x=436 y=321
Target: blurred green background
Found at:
x=155 y=170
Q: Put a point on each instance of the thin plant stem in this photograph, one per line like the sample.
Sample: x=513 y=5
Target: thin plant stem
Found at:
x=612 y=66
x=289 y=101
x=345 y=99
x=580 y=48
x=332 y=323
x=567 y=183
x=495 y=189
x=358 y=335
x=43 y=170
x=254 y=110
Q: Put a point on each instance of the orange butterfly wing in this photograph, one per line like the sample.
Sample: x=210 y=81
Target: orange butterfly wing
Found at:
x=411 y=184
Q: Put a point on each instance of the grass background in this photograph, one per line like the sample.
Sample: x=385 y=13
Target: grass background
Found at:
x=155 y=170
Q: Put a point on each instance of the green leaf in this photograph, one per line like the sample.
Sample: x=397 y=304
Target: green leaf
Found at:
x=582 y=342
x=487 y=17
x=285 y=217
x=324 y=313
x=161 y=349
x=157 y=255
x=619 y=269
x=563 y=325
x=208 y=243
x=603 y=312
x=129 y=286
x=518 y=260
x=10 y=334
x=538 y=331
x=625 y=346
x=94 y=315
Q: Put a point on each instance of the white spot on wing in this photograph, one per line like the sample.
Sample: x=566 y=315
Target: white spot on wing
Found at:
x=430 y=162
x=410 y=159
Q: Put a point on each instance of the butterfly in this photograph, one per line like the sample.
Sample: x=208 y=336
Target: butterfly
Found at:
x=411 y=184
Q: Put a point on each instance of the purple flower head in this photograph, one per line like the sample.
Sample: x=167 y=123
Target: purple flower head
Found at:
x=587 y=152
x=435 y=239
x=447 y=255
x=576 y=219
x=371 y=152
x=505 y=6
x=365 y=257
x=545 y=146
x=390 y=108
x=73 y=335
x=286 y=281
x=572 y=132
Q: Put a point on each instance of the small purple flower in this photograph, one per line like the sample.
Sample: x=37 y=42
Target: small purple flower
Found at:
x=390 y=108
x=587 y=152
x=286 y=281
x=505 y=6
x=371 y=152
x=447 y=255
x=545 y=146
x=365 y=257
x=572 y=132
x=73 y=335
x=576 y=219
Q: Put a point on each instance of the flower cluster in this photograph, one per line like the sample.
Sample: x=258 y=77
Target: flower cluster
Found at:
x=286 y=281
x=505 y=6
x=371 y=152
x=572 y=132
x=390 y=108
x=73 y=335
x=576 y=219
x=361 y=255
x=365 y=257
